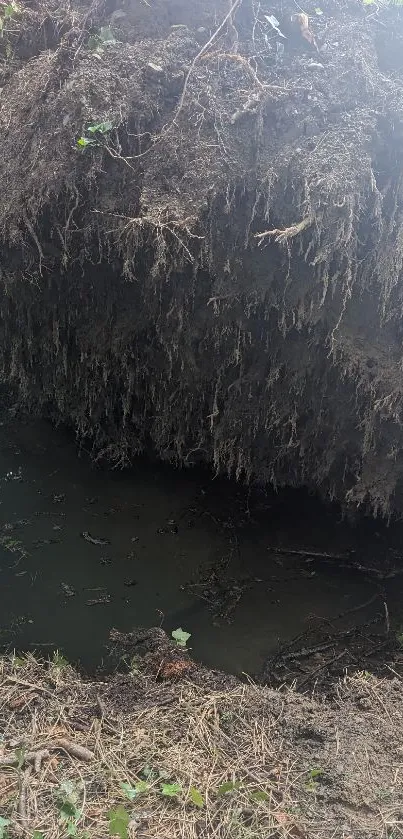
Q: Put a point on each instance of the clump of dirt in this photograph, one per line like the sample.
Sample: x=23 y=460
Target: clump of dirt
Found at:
x=200 y=226
x=197 y=755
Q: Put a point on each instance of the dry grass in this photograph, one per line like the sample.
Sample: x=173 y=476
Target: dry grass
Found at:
x=182 y=737
x=290 y=759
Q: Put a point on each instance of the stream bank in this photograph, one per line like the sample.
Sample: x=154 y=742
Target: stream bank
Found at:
x=254 y=577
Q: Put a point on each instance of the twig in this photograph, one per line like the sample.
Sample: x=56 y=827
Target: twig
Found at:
x=387 y=621
x=321 y=667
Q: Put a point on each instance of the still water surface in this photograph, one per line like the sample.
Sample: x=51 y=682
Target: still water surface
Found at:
x=164 y=531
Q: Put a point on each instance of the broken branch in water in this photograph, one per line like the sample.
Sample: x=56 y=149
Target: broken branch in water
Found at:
x=308 y=554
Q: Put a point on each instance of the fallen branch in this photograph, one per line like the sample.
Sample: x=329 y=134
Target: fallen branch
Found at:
x=74 y=749
x=308 y=554
x=22 y=807
x=37 y=756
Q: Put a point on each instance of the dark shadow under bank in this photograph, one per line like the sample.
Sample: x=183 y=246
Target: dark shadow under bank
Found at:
x=276 y=585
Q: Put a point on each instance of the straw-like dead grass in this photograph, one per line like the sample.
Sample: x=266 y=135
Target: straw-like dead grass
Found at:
x=264 y=764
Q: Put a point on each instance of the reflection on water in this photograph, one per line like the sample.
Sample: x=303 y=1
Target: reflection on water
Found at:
x=84 y=550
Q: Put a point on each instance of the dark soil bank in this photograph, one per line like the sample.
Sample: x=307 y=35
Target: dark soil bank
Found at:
x=201 y=234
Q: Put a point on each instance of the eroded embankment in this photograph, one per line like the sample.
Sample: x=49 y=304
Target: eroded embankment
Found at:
x=201 y=235
x=170 y=750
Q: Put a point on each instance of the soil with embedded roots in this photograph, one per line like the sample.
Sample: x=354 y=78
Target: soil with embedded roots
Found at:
x=202 y=234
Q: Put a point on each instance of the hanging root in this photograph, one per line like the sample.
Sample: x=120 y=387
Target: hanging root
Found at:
x=286 y=233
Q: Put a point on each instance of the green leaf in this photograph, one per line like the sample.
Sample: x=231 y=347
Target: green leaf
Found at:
x=118 y=822
x=100 y=127
x=259 y=795
x=196 y=797
x=129 y=791
x=318 y=11
x=181 y=636
x=68 y=811
x=59 y=660
x=3 y=825
x=106 y=35
x=228 y=786
x=133 y=792
x=38 y=835
x=141 y=787
x=83 y=142
x=368 y=2
x=170 y=790
x=71 y=829
x=315 y=773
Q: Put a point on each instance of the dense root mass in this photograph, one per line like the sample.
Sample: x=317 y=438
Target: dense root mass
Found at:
x=201 y=235
x=157 y=754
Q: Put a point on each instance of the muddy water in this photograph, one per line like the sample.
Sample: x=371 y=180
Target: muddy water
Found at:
x=161 y=539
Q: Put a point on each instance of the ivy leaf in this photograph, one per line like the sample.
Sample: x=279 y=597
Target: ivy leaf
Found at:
x=196 y=797
x=228 y=786
x=100 y=127
x=181 y=637
x=141 y=786
x=68 y=811
x=129 y=791
x=170 y=790
x=132 y=792
x=83 y=142
x=118 y=822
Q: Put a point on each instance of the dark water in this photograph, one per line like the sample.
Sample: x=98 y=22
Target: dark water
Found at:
x=166 y=530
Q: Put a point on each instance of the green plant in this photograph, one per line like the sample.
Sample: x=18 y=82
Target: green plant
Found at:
x=229 y=786
x=171 y=790
x=181 y=637
x=59 y=660
x=3 y=827
x=37 y=835
x=132 y=792
x=100 y=128
x=118 y=820
x=260 y=795
x=7 y=12
x=196 y=797
x=69 y=812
